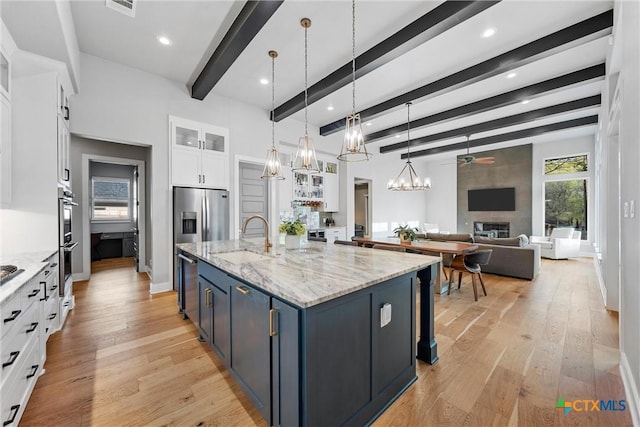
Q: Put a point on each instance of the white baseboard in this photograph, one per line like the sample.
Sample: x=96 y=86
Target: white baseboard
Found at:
x=156 y=288
x=77 y=277
x=603 y=288
x=630 y=389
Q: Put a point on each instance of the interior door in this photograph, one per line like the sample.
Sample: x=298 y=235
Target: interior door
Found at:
x=253 y=198
x=135 y=205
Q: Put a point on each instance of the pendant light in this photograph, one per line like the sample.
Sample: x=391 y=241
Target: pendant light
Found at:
x=272 y=166
x=353 y=146
x=306 y=160
x=409 y=181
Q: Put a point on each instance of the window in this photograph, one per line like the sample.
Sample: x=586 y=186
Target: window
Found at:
x=110 y=198
x=565 y=192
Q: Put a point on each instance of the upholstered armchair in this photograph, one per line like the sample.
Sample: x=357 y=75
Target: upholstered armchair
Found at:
x=563 y=243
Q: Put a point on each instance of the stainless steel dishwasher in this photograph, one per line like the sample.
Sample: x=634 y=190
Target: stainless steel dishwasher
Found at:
x=188 y=286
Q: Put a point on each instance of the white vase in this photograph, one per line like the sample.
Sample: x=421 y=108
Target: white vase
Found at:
x=292 y=242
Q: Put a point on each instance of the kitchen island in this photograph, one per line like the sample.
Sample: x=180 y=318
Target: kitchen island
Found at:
x=324 y=335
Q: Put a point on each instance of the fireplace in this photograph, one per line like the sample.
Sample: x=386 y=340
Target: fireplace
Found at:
x=491 y=229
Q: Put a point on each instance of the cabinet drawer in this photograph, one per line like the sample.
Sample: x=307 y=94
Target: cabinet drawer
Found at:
x=31 y=292
x=14 y=344
x=15 y=392
x=10 y=312
x=51 y=315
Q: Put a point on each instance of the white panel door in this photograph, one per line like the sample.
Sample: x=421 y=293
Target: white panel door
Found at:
x=185 y=167
x=215 y=171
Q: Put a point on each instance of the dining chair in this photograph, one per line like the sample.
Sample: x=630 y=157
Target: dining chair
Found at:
x=317 y=239
x=390 y=248
x=345 y=242
x=470 y=263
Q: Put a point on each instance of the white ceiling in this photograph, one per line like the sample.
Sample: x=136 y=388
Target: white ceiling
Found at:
x=196 y=28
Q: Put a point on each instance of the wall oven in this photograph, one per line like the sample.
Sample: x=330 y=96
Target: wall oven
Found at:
x=65 y=239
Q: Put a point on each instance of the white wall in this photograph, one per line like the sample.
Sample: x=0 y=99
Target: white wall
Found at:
x=387 y=206
x=122 y=104
x=441 y=202
x=627 y=47
x=554 y=150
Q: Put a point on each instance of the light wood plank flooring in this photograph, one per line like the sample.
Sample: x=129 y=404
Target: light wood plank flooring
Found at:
x=125 y=357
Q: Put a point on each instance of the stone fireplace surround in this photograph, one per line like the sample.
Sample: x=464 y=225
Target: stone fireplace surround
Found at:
x=512 y=168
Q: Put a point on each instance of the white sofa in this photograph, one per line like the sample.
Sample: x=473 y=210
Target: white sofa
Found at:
x=563 y=243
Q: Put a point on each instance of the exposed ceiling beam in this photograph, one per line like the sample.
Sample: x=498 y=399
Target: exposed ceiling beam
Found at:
x=247 y=24
x=516 y=119
x=533 y=91
x=560 y=41
x=428 y=26
x=509 y=136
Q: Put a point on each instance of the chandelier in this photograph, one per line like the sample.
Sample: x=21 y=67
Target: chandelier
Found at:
x=408 y=179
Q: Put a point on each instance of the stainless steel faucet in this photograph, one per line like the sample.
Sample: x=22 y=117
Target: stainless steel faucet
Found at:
x=267 y=244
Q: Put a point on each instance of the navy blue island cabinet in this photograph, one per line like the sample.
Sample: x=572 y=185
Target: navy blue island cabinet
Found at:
x=330 y=364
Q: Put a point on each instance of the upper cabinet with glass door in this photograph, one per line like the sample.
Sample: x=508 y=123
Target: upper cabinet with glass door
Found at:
x=199 y=154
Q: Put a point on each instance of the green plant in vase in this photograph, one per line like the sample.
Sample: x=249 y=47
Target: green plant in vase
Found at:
x=406 y=233
x=293 y=229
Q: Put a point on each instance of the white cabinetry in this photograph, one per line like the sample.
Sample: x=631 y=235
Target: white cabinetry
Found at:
x=199 y=154
x=64 y=171
x=5 y=119
x=335 y=233
x=21 y=350
x=331 y=186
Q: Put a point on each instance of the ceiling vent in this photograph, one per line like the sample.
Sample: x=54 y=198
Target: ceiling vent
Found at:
x=128 y=7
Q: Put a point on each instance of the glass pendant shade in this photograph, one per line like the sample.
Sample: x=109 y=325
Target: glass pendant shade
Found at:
x=408 y=179
x=306 y=159
x=353 y=146
x=272 y=166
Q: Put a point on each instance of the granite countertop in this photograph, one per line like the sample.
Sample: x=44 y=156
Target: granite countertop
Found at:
x=315 y=273
x=32 y=263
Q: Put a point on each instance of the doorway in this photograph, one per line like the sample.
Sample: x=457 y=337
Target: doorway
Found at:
x=253 y=197
x=113 y=220
x=362 y=207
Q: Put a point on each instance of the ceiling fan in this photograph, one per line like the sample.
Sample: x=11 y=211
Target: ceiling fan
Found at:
x=469 y=159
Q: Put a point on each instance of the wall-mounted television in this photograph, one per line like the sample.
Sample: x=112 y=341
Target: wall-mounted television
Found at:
x=492 y=199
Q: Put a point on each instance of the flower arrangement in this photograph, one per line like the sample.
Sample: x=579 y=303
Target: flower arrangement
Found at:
x=292 y=228
x=406 y=233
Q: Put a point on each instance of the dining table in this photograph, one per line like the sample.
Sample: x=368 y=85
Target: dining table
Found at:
x=428 y=247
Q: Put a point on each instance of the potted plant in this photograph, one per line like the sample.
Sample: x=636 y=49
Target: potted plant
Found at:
x=406 y=233
x=293 y=229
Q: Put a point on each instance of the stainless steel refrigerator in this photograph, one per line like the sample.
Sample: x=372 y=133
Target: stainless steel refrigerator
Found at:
x=198 y=215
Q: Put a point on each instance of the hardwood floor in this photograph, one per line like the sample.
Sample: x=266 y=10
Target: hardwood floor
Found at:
x=126 y=357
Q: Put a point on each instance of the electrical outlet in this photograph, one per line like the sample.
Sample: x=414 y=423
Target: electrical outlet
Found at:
x=632 y=209
x=625 y=210
x=385 y=314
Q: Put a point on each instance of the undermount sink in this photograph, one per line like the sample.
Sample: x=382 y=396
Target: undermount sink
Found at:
x=242 y=257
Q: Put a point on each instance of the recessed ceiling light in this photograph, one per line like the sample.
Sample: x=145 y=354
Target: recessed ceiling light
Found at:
x=165 y=40
x=488 y=32
x=369 y=123
x=525 y=101
x=330 y=108
x=511 y=75
x=264 y=81
x=397 y=136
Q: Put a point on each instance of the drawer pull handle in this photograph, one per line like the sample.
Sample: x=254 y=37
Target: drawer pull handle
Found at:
x=34 y=369
x=53 y=288
x=33 y=327
x=66 y=304
x=52 y=316
x=14 y=316
x=272 y=322
x=243 y=290
x=46 y=298
x=34 y=293
x=208 y=298
x=14 y=413
x=12 y=358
